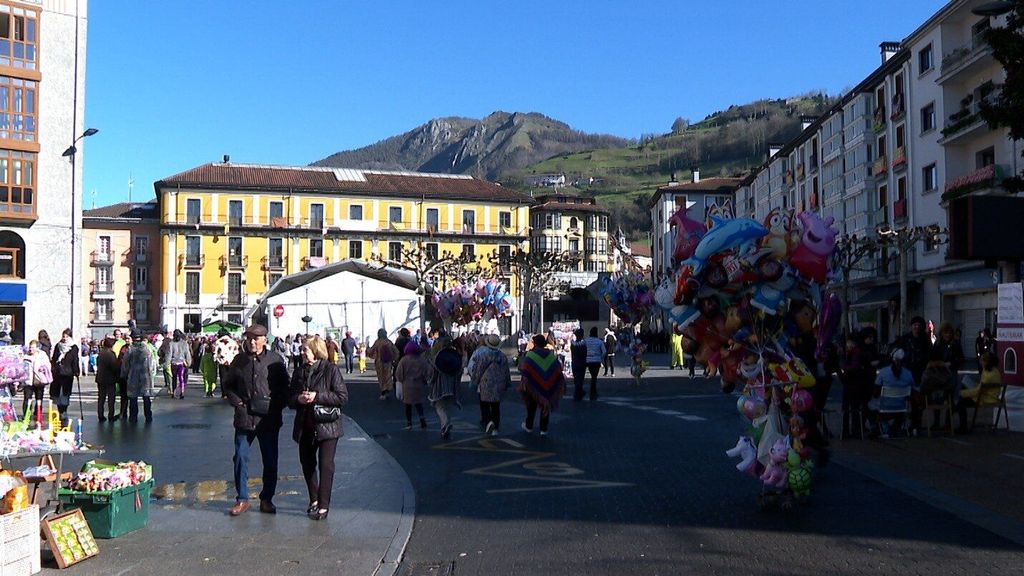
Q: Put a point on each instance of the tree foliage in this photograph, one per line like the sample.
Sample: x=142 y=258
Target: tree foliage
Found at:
x=1004 y=110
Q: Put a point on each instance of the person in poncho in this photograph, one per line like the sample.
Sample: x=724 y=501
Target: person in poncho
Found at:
x=542 y=384
x=443 y=378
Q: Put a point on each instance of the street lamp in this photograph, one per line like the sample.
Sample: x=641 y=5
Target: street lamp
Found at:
x=307 y=318
x=70 y=153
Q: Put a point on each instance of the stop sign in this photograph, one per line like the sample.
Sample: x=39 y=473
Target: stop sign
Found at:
x=278 y=311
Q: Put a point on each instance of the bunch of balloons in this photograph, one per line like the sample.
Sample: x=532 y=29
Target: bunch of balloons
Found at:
x=629 y=295
x=468 y=303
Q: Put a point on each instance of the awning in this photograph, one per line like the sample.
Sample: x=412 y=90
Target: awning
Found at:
x=877 y=297
x=217 y=325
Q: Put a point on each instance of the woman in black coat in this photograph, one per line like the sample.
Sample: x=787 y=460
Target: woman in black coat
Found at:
x=317 y=383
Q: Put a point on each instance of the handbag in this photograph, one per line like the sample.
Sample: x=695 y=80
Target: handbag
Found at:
x=260 y=406
x=326 y=414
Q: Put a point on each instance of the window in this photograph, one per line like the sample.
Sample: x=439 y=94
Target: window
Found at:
x=504 y=254
x=573 y=223
x=590 y=244
x=235 y=212
x=355 y=212
x=395 y=251
x=929 y=178
x=141 y=248
x=191 y=287
x=234 y=251
x=602 y=246
x=193 y=207
x=468 y=252
x=140 y=310
x=602 y=223
x=901 y=189
x=141 y=279
x=553 y=221
x=355 y=248
x=18 y=109
x=192 y=256
x=469 y=221
x=883 y=196
x=103 y=248
x=505 y=219
x=235 y=289
x=986 y=157
x=17 y=184
x=1010 y=361
x=103 y=280
x=931 y=242
x=925 y=60
x=395 y=214
x=433 y=220
x=900 y=136
x=18 y=38
x=272 y=278
x=103 y=310
x=574 y=245
x=316 y=216
x=928 y=118
x=316 y=247
x=276 y=213
x=9 y=262
x=431 y=251
x=275 y=252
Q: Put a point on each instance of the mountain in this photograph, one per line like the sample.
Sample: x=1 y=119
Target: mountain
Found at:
x=502 y=142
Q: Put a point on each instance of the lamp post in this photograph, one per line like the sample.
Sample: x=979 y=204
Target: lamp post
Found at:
x=70 y=153
x=306 y=319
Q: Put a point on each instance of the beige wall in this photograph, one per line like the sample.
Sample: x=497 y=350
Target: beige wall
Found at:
x=126 y=285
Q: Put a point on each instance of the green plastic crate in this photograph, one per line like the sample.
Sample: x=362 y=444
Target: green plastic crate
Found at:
x=112 y=513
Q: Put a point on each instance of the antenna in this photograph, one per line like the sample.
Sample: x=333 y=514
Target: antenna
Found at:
x=131 y=184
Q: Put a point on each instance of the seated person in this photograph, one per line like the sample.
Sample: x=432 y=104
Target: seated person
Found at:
x=894 y=378
x=987 y=391
x=936 y=382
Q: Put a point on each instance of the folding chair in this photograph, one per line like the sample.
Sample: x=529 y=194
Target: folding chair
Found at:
x=999 y=405
x=894 y=403
x=939 y=400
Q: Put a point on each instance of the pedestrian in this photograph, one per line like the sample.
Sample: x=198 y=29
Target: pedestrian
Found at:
x=611 y=345
x=348 y=350
x=224 y=352
x=983 y=345
x=491 y=375
x=521 y=345
x=178 y=358
x=42 y=376
x=411 y=375
x=83 y=355
x=443 y=376
x=107 y=371
x=676 y=344
x=296 y=352
x=209 y=369
x=384 y=354
x=94 y=355
x=43 y=338
x=595 y=353
x=257 y=387
x=578 y=356
x=856 y=388
x=137 y=368
x=64 y=365
x=361 y=352
x=332 y=350
x=542 y=384
x=317 y=394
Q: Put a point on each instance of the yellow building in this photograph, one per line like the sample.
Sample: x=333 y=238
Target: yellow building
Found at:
x=229 y=231
x=574 y=224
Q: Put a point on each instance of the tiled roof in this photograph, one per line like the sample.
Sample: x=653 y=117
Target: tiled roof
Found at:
x=639 y=249
x=570 y=207
x=127 y=210
x=705 y=185
x=340 y=180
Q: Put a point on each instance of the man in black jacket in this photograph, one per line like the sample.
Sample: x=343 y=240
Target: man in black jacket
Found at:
x=257 y=386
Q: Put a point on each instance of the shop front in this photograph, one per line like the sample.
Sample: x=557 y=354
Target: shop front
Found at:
x=969 y=303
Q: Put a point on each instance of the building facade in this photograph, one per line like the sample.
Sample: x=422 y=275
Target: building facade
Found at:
x=121 y=263
x=230 y=231
x=42 y=96
x=574 y=224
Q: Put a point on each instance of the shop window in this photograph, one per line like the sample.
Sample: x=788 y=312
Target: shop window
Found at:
x=1010 y=361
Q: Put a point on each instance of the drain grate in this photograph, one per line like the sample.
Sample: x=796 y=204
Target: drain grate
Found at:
x=432 y=569
x=190 y=426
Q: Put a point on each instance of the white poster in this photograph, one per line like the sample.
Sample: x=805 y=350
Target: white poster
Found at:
x=1011 y=304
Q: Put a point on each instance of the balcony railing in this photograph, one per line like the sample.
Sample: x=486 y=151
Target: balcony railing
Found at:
x=101 y=288
x=899 y=210
x=101 y=257
x=274 y=262
x=102 y=315
x=235 y=299
x=139 y=288
x=880 y=166
x=899 y=158
x=314 y=262
x=961 y=54
x=132 y=257
x=234 y=261
x=191 y=297
x=191 y=260
x=985 y=178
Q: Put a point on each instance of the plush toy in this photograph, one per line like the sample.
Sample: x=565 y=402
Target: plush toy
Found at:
x=810 y=257
x=797 y=432
x=798 y=473
x=775 y=474
x=746 y=451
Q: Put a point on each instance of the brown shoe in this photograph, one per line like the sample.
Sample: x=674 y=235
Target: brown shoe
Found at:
x=239 y=508
x=267 y=507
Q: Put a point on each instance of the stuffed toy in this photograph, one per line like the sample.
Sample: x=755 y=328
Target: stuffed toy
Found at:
x=775 y=474
x=747 y=452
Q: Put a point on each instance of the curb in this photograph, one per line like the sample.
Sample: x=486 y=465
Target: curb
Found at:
x=989 y=520
x=392 y=557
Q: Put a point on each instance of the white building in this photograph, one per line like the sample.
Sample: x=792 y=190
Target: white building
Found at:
x=42 y=69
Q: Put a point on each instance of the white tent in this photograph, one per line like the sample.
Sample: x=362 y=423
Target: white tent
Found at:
x=348 y=295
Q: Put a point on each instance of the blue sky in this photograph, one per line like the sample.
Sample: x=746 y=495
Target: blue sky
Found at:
x=171 y=85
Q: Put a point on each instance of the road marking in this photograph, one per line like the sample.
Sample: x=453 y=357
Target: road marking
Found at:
x=670 y=413
x=691 y=418
x=1017 y=456
x=643 y=407
x=358 y=439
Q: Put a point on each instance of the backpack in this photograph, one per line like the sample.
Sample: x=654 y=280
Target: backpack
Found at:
x=610 y=343
x=449 y=362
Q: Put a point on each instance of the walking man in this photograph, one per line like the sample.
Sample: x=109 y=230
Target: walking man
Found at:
x=595 y=354
x=348 y=349
x=611 y=343
x=257 y=387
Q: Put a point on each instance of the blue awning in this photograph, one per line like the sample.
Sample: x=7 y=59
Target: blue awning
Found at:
x=11 y=293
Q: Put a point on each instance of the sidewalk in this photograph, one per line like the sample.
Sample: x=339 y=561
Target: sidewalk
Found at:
x=190 y=447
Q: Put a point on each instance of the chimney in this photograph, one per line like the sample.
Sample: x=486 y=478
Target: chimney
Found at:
x=773 y=149
x=806 y=121
x=227 y=159
x=889 y=49
x=696 y=174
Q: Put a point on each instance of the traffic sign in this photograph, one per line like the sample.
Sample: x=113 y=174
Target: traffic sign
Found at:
x=278 y=311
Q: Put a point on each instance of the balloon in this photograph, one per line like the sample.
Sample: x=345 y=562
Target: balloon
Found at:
x=688 y=234
x=738 y=234
x=781 y=234
x=828 y=322
x=810 y=257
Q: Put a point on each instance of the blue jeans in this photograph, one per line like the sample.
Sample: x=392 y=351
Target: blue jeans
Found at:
x=133 y=408
x=348 y=363
x=267 y=437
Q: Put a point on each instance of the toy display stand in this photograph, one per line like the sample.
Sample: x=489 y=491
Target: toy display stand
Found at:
x=47 y=457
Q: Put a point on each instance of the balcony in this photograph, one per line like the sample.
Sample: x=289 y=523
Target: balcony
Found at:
x=234 y=261
x=899 y=158
x=965 y=59
x=131 y=257
x=965 y=121
x=101 y=258
x=800 y=171
x=102 y=316
x=274 y=262
x=17 y=206
x=101 y=289
x=899 y=210
x=314 y=262
x=137 y=290
x=191 y=298
x=191 y=260
x=982 y=181
x=880 y=166
x=234 y=299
